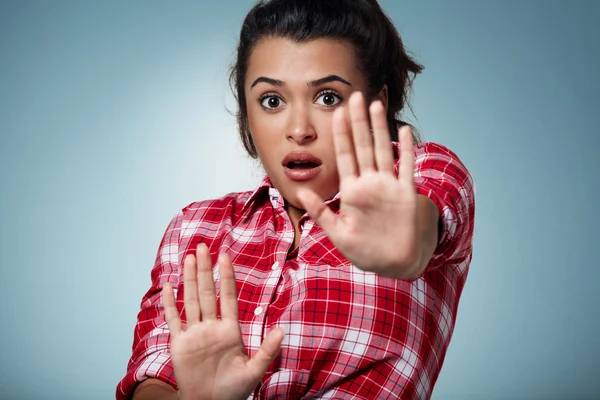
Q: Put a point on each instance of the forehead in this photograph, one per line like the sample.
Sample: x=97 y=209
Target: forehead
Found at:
x=290 y=61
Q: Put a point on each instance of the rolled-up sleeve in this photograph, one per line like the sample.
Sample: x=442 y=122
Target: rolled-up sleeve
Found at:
x=440 y=175
x=150 y=351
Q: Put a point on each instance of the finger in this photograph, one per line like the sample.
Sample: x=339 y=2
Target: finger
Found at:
x=229 y=304
x=206 y=284
x=384 y=155
x=171 y=313
x=342 y=141
x=319 y=211
x=266 y=353
x=190 y=290
x=407 y=157
x=361 y=133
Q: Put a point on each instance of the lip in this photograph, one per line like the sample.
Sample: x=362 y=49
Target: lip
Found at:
x=303 y=174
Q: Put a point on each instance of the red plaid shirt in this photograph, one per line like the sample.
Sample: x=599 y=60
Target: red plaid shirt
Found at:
x=348 y=333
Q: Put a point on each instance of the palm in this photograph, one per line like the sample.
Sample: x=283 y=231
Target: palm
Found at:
x=376 y=227
x=209 y=357
x=222 y=352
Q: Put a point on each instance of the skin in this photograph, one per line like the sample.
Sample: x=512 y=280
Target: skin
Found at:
x=383 y=225
x=303 y=118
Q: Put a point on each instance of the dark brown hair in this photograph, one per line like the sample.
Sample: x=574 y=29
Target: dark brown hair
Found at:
x=362 y=23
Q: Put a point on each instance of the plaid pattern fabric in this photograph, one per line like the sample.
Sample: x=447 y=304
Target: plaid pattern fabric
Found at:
x=349 y=333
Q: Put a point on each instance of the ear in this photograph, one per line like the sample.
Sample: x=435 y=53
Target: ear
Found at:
x=383 y=97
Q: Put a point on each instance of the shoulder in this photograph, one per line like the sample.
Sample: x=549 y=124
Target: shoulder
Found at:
x=435 y=160
x=208 y=217
x=430 y=151
x=230 y=199
x=233 y=202
x=433 y=147
x=437 y=151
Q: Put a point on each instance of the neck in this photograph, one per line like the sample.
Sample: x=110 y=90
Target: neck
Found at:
x=295 y=215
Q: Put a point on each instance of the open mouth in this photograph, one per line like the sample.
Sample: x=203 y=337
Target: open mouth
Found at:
x=302 y=165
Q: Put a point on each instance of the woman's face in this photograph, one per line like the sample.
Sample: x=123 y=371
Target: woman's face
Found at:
x=291 y=91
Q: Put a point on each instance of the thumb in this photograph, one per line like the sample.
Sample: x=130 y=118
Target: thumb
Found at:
x=317 y=209
x=267 y=353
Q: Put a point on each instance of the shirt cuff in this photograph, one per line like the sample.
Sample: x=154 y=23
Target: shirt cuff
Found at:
x=157 y=366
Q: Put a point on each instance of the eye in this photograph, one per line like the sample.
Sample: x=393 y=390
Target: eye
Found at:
x=270 y=101
x=328 y=98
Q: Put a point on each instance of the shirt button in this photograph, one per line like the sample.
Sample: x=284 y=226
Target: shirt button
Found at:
x=275 y=265
x=258 y=310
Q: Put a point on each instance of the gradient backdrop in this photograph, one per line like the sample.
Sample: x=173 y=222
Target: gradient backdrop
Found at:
x=113 y=116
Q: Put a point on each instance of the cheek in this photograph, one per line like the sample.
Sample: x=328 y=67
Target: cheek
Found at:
x=266 y=131
x=261 y=129
x=322 y=123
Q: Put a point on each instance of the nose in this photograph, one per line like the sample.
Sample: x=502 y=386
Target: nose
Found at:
x=300 y=127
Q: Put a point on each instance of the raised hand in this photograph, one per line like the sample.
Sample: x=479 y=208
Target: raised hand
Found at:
x=377 y=225
x=209 y=356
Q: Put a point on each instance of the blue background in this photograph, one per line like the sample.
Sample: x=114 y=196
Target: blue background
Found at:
x=113 y=116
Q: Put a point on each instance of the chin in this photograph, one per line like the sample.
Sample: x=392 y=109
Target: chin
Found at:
x=294 y=202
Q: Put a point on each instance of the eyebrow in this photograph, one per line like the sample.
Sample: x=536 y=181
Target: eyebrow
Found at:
x=318 y=82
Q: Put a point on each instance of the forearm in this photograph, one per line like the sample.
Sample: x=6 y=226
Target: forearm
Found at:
x=155 y=389
x=428 y=223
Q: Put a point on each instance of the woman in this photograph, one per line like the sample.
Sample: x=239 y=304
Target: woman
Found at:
x=340 y=275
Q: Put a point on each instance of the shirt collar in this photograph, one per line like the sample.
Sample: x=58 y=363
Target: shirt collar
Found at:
x=258 y=193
